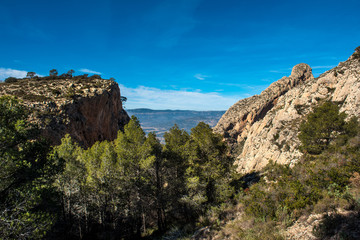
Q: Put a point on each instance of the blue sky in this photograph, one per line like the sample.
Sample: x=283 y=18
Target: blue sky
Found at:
x=178 y=54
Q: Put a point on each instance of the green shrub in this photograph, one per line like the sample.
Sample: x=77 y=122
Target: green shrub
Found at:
x=70 y=94
x=56 y=92
x=35 y=98
x=356 y=54
x=322 y=126
x=300 y=108
x=261 y=230
x=259 y=203
x=11 y=80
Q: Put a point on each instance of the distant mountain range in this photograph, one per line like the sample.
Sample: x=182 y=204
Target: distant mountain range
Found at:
x=160 y=121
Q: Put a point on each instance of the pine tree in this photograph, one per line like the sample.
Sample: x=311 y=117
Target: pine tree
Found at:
x=175 y=154
x=323 y=125
x=158 y=182
x=209 y=167
x=135 y=158
x=24 y=175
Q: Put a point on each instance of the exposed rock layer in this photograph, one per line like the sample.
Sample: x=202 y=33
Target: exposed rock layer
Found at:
x=89 y=110
x=263 y=128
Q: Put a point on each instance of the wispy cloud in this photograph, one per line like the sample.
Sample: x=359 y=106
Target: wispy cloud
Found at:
x=155 y=98
x=246 y=87
x=8 y=72
x=201 y=76
x=280 y=71
x=85 y=70
x=323 y=67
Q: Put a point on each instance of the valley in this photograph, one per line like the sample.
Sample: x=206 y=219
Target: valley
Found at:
x=160 y=121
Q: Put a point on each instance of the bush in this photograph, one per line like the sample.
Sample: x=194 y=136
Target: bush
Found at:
x=11 y=80
x=70 y=94
x=259 y=203
x=357 y=53
x=95 y=76
x=322 y=126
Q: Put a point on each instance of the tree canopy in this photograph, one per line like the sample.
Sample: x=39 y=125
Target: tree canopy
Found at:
x=30 y=75
x=322 y=126
x=24 y=174
x=128 y=187
x=53 y=73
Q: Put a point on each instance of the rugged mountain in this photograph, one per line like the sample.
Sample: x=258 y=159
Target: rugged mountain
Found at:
x=88 y=109
x=265 y=127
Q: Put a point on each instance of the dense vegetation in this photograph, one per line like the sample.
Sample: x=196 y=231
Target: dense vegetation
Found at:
x=135 y=187
x=25 y=176
x=128 y=188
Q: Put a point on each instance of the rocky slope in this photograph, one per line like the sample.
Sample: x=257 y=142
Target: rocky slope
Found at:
x=265 y=127
x=88 y=109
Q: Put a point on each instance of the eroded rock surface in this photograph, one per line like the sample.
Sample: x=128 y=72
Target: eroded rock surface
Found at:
x=235 y=124
x=89 y=110
x=265 y=127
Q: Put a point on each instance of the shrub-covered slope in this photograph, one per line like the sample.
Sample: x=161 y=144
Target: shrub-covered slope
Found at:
x=317 y=198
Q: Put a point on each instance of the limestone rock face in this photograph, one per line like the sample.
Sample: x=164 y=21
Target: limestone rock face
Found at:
x=265 y=127
x=235 y=124
x=89 y=110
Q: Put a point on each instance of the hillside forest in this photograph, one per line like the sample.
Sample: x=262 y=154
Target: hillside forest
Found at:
x=137 y=188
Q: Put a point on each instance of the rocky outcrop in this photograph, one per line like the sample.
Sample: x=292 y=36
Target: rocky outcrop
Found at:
x=89 y=109
x=346 y=222
x=235 y=124
x=265 y=127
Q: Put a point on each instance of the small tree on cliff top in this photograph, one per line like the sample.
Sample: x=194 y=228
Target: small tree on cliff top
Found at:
x=53 y=73
x=30 y=75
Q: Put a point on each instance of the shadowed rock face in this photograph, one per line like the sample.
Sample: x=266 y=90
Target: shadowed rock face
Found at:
x=265 y=127
x=91 y=119
x=89 y=110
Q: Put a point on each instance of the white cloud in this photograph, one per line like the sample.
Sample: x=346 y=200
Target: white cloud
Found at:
x=321 y=67
x=85 y=70
x=8 y=72
x=280 y=71
x=154 y=98
x=200 y=76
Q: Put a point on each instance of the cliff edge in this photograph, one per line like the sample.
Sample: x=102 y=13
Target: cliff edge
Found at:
x=88 y=109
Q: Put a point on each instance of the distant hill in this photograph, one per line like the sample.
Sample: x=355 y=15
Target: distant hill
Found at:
x=160 y=121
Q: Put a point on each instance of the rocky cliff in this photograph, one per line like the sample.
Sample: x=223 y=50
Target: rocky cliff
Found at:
x=88 y=109
x=265 y=127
